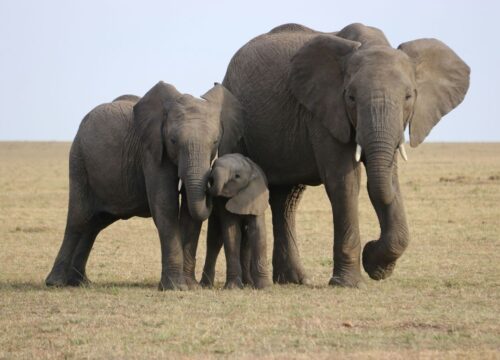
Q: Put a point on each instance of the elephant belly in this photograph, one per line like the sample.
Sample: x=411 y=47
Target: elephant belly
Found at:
x=283 y=151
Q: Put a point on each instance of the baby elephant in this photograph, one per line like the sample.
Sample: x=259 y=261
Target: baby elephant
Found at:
x=241 y=197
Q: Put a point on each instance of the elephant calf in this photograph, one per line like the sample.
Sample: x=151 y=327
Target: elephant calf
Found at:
x=241 y=197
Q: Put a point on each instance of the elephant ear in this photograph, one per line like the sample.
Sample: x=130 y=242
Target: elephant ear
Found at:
x=231 y=116
x=149 y=116
x=254 y=198
x=316 y=80
x=442 y=82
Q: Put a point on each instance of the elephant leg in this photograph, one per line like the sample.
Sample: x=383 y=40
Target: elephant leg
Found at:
x=77 y=225
x=163 y=199
x=256 y=232
x=287 y=267
x=58 y=276
x=214 y=244
x=231 y=233
x=77 y=274
x=246 y=258
x=343 y=191
x=172 y=275
x=379 y=256
x=190 y=233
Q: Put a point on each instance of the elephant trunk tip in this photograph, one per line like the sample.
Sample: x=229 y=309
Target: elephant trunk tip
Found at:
x=201 y=212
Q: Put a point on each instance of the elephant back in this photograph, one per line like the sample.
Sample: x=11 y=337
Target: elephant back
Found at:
x=128 y=97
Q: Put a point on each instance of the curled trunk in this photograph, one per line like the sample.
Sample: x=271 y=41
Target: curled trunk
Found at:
x=379 y=256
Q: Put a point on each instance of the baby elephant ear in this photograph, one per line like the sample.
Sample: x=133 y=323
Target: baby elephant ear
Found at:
x=252 y=200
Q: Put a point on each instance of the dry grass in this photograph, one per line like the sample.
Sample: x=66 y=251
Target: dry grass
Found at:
x=442 y=301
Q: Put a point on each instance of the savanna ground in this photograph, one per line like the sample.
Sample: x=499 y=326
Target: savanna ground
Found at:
x=442 y=301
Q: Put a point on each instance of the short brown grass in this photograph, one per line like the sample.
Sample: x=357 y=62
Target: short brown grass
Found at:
x=442 y=301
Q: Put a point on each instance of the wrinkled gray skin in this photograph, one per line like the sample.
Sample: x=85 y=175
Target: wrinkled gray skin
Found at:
x=241 y=198
x=310 y=98
x=127 y=159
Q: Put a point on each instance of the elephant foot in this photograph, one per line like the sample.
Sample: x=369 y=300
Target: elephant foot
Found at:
x=262 y=283
x=191 y=282
x=207 y=280
x=290 y=275
x=57 y=277
x=76 y=278
x=56 y=280
x=375 y=264
x=346 y=281
x=346 y=275
x=234 y=284
x=172 y=283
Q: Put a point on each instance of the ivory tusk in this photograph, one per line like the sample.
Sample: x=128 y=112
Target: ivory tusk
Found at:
x=179 y=187
x=402 y=151
x=215 y=158
x=357 y=156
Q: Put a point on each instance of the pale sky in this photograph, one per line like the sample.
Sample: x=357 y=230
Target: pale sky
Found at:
x=59 y=59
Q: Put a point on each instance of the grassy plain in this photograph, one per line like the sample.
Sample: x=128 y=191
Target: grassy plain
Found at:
x=443 y=300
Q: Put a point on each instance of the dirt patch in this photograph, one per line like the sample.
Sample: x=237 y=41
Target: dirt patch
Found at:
x=30 y=229
x=460 y=179
x=456 y=179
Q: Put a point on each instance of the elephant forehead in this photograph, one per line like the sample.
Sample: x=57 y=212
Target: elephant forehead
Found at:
x=380 y=58
x=233 y=162
x=188 y=106
x=373 y=74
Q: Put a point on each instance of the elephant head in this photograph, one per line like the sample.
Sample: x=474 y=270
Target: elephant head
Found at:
x=363 y=90
x=236 y=177
x=187 y=131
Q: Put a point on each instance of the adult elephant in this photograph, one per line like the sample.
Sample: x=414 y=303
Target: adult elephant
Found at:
x=127 y=159
x=316 y=103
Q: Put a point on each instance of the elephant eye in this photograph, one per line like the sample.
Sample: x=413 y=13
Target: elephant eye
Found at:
x=173 y=141
x=237 y=176
x=216 y=141
x=408 y=96
x=352 y=98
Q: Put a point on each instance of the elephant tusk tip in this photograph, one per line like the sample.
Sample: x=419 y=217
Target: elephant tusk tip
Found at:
x=357 y=155
x=402 y=151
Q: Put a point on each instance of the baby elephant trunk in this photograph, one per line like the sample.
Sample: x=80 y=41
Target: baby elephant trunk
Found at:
x=218 y=178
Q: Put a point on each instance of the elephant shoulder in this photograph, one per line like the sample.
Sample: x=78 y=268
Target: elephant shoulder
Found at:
x=108 y=117
x=291 y=27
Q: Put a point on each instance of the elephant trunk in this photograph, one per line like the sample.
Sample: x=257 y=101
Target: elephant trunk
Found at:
x=379 y=169
x=380 y=139
x=379 y=133
x=194 y=172
x=219 y=178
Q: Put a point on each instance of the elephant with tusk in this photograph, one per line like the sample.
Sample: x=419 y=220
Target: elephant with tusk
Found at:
x=313 y=100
